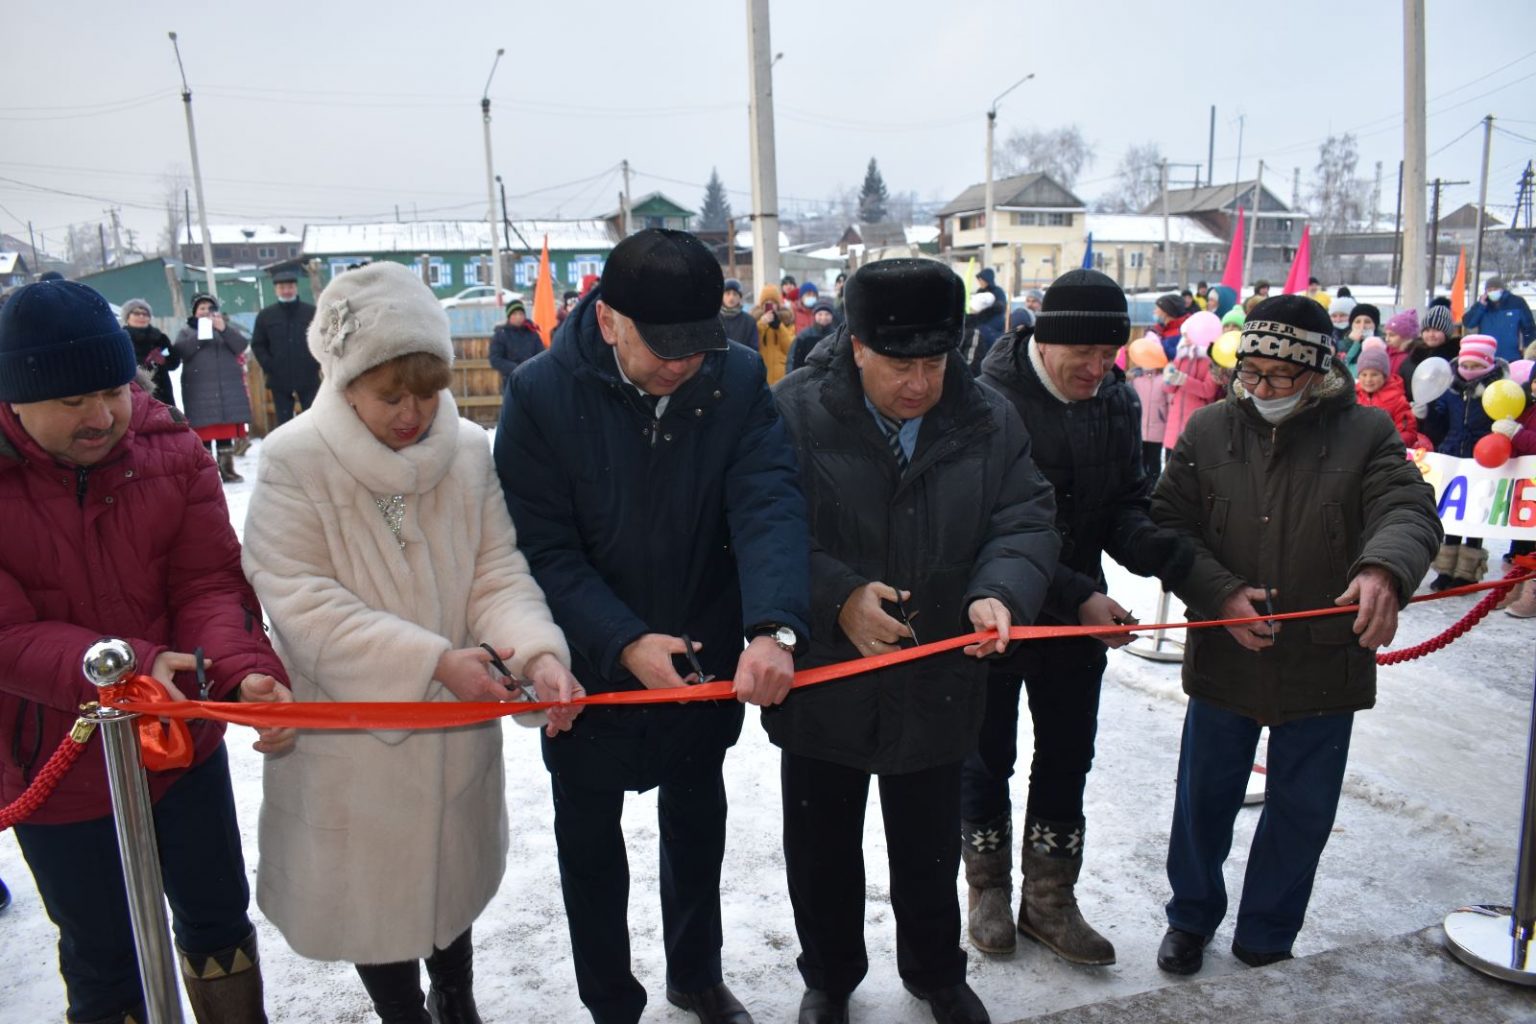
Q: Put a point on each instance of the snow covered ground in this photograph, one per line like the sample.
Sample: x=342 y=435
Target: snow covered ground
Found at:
x=1429 y=821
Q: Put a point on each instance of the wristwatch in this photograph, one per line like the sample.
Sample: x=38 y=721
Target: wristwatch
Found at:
x=784 y=636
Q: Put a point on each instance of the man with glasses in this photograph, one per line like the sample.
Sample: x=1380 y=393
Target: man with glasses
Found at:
x=1084 y=422
x=1295 y=498
x=926 y=511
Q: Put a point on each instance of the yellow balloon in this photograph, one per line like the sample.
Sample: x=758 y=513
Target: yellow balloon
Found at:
x=1503 y=400
x=1224 y=349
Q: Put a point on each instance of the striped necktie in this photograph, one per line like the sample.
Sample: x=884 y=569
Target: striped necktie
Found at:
x=892 y=429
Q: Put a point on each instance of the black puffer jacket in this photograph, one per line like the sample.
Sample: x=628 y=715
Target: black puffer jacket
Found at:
x=1301 y=507
x=1090 y=451
x=154 y=353
x=280 y=345
x=971 y=518
x=213 y=376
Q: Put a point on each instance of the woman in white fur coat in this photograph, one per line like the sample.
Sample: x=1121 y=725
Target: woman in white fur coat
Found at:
x=379 y=542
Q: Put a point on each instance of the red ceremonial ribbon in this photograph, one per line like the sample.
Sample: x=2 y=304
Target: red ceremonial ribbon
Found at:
x=163 y=744
x=418 y=715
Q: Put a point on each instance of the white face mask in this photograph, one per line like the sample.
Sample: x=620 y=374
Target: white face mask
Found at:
x=1276 y=409
x=1496 y=295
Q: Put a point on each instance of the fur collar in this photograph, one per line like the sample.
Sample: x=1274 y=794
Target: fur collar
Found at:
x=382 y=470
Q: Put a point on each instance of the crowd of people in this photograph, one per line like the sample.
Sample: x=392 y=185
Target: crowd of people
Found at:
x=684 y=489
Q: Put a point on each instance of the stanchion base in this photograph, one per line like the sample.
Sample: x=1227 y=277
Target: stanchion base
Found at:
x=1480 y=937
x=1168 y=651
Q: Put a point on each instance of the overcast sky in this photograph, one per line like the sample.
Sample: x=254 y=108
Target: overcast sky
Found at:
x=340 y=109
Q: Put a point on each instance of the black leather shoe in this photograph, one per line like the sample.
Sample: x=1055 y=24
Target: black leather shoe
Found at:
x=1253 y=959
x=713 y=1005
x=1182 y=952
x=5 y=896
x=952 y=1004
x=818 y=1007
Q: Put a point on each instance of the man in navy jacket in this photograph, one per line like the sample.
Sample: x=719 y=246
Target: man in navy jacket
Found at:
x=655 y=495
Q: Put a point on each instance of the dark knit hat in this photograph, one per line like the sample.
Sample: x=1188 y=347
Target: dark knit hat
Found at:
x=1366 y=309
x=516 y=306
x=59 y=339
x=202 y=297
x=905 y=308
x=1083 y=307
x=732 y=285
x=1291 y=328
x=1437 y=318
x=127 y=308
x=1171 y=304
x=809 y=287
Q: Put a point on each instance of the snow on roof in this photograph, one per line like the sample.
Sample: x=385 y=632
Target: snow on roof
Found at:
x=8 y=262
x=922 y=234
x=450 y=236
x=745 y=239
x=1133 y=227
x=243 y=234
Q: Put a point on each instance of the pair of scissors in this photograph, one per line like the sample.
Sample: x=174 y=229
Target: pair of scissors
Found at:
x=906 y=620
x=521 y=686
x=700 y=676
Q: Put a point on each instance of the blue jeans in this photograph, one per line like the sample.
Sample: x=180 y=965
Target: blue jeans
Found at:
x=80 y=878
x=1304 y=772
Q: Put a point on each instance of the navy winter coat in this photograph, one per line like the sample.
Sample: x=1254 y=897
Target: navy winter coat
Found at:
x=1508 y=321
x=280 y=342
x=213 y=376
x=1456 y=420
x=513 y=346
x=690 y=522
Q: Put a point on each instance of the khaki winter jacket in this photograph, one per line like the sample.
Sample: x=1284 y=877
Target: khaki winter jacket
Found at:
x=1301 y=507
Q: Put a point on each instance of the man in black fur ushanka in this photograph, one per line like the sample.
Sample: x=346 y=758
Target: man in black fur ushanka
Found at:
x=928 y=517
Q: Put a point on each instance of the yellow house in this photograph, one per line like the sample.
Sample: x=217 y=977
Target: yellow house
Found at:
x=1037 y=225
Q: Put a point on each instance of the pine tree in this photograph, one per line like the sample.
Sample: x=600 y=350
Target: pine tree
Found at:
x=716 y=214
x=873 y=195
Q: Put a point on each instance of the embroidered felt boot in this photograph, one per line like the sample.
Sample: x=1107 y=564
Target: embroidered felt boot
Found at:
x=1052 y=857
x=225 y=987
x=1444 y=567
x=1471 y=563
x=987 y=850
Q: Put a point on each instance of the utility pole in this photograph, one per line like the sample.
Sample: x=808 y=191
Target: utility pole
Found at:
x=1237 y=172
x=1475 y=285
x=765 y=179
x=1163 y=187
x=490 y=177
x=1434 y=232
x=32 y=241
x=625 y=217
x=1296 y=188
x=1375 y=198
x=186 y=213
x=506 y=222
x=197 y=177
x=101 y=237
x=1258 y=196
x=987 y=210
x=1210 y=154
x=1397 y=238
x=117 y=235
x=1412 y=288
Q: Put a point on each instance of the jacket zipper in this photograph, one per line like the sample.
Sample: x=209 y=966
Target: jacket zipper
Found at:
x=80 y=485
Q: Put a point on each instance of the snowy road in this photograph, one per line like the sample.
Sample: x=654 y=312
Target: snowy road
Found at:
x=1428 y=821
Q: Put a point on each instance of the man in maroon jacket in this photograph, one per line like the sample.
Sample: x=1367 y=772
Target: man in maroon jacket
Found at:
x=115 y=525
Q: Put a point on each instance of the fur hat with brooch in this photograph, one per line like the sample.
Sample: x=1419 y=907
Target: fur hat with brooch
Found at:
x=368 y=316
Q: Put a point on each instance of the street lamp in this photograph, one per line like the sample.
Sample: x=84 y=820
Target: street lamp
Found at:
x=986 y=258
x=490 y=178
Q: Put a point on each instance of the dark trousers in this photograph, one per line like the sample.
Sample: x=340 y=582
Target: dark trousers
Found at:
x=824 y=807
x=1063 y=679
x=1304 y=773
x=286 y=403
x=1152 y=461
x=80 y=878
x=594 y=878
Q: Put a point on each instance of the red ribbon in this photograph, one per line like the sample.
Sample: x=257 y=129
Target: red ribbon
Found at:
x=417 y=715
x=163 y=744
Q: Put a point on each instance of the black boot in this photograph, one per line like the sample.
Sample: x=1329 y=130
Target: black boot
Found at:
x=1253 y=959
x=452 y=970
x=1182 y=952
x=396 y=991
x=5 y=895
x=226 y=462
x=952 y=1004
x=818 y=1007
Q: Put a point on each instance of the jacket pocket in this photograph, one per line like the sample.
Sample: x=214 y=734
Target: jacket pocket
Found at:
x=1216 y=525
x=1335 y=541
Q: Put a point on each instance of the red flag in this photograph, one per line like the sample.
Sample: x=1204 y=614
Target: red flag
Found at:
x=1459 y=288
x=1301 y=266
x=544 y=297
x=1232 y=276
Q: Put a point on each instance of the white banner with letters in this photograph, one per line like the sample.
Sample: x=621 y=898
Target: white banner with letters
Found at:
x=1475 y=501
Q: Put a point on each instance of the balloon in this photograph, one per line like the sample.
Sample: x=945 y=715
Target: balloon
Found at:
x=1225 y=350
x=1503 y=400
x=1148 y=353
x=1492 y=451
x=1431 y=380
x=1520 y=370
x=1202 y=327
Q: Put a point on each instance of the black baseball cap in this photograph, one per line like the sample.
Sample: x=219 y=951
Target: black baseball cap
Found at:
x=670 y=285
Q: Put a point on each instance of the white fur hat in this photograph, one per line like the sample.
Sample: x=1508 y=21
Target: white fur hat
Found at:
x=368 y=316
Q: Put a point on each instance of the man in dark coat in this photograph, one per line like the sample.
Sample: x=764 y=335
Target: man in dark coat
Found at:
x=115 y=525
x=739 y=326
x=994 y=319
x=654 y=493
x=514 y=342
x=1295 y=498
x=279 y=342
x=1084 y=422
x=926 y=512
x=808 y=339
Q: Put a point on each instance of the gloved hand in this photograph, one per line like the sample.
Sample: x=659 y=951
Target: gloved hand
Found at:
x=1420 y=411
x=1173 y=376
x=1509 y=428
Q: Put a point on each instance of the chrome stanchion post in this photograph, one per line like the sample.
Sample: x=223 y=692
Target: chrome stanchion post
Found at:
x=108 y=662
x=1496 y=939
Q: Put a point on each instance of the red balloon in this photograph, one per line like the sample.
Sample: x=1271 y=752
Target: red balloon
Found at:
x=1492 y=451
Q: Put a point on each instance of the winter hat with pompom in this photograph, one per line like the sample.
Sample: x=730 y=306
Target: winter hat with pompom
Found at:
x=1373 y=357
x=1477 y=353
x=368 y=316
x=1404 y=324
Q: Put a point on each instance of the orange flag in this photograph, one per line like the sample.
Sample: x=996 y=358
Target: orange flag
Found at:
x=544 y=297
x=1459 y=288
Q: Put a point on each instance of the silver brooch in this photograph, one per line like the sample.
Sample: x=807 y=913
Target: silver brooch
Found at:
x=393 y=511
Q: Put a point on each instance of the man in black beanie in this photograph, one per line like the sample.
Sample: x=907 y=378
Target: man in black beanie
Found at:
x=927 y=517
x=1085 y=424
x=1295 y=498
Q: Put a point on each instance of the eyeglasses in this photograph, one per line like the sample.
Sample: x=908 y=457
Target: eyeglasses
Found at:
x=138 y=312
x=1276 y=381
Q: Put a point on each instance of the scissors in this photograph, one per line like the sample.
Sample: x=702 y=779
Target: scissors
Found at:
x=522 y=686
x=693 y=662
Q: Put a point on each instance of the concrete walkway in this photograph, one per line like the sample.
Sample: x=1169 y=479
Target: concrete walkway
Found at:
x=1410 y=978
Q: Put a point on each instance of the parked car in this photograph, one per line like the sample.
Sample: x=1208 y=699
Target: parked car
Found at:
x=481 y=295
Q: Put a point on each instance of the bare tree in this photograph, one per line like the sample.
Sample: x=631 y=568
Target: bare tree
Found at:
x=83 y=242
x=1138 y=180
x=1062 y=153
x=1336 y=193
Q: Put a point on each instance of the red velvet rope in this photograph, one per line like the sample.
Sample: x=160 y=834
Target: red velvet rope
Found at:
x=42 y=787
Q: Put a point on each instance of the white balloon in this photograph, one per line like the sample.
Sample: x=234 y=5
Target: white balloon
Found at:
x=1431 y=380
